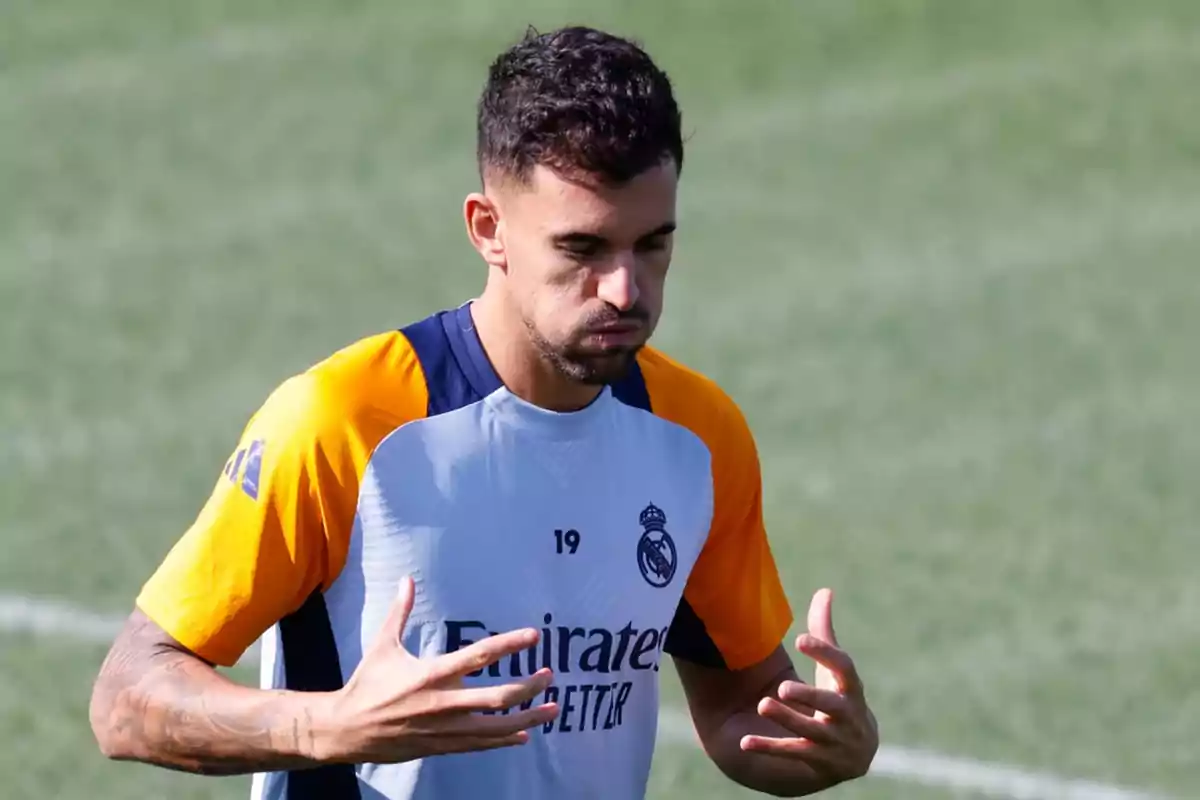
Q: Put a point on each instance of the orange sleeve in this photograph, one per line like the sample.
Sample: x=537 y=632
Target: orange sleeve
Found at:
x=277 y=526
x=734 y=611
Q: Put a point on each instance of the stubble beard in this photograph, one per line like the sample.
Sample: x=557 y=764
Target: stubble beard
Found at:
x=590 y=368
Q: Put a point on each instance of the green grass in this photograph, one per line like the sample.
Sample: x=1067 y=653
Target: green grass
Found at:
x=943 y=253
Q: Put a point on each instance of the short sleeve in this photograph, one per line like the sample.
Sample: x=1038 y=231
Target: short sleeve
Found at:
x=734 y=611
x=269 y=535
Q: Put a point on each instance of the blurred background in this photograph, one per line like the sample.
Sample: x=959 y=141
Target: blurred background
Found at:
x=944 y=254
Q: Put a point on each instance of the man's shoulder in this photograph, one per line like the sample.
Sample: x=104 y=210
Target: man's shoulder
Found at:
x=372 y=384
x=669 y=380
x=689 y=397
x=383 y=363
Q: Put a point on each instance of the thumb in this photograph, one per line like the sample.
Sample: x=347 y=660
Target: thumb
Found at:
x=820 y=616
x=393 y=625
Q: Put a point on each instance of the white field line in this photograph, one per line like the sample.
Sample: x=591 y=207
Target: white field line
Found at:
x=19 y=613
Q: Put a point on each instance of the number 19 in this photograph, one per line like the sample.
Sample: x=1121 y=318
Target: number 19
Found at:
x=569 y=538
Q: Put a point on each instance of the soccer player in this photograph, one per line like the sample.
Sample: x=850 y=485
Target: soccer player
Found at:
x=466 y=544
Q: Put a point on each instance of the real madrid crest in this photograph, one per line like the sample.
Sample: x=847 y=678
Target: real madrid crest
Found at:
x=656 y=551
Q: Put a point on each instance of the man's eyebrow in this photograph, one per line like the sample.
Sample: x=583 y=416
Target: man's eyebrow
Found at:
x=665 y=229
x=577 y=237
x=584 y=238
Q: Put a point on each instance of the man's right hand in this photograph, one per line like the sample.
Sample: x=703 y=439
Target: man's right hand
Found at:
x=397 y=707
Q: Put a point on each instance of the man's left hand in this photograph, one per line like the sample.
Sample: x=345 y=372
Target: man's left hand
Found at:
x=836 y=735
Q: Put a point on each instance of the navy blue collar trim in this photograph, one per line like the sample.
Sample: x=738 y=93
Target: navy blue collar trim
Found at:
x=468 y=351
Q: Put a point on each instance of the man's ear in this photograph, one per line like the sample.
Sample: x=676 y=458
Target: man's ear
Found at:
x=483 y=229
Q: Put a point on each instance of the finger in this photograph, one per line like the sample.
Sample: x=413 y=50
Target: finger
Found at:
x=444 y=745
x=807 y=727
x=495 y=698
x=820 y=616
x=834 y=659
x=397 y=617
x=801 y=708
x=474 y=744
x=482 y=653
x=805 y=698
x=817 y=757
x=499 y=725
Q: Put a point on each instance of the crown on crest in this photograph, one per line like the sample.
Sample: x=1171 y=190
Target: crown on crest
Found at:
x=652 y=515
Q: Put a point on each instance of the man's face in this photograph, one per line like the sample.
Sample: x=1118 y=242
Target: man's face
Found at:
x=586 y=266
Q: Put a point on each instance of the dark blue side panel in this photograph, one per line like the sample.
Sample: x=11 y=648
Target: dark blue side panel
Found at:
x=310 y=663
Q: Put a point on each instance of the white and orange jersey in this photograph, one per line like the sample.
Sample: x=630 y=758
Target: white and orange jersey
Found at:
x=627 y=529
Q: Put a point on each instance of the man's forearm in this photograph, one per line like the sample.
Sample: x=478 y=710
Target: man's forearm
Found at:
x=173 y=710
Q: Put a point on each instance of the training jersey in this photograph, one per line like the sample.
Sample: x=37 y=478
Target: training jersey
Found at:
x=625 y=530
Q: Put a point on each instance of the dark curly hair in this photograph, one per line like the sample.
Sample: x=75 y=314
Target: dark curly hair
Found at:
x=583 y=102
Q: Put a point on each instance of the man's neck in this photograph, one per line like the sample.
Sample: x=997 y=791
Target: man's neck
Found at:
x=520 y=367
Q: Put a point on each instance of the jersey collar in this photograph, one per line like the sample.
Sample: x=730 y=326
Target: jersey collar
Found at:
x=468 y=351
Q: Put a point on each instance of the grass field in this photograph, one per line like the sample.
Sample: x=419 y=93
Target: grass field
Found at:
x=946 y=255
